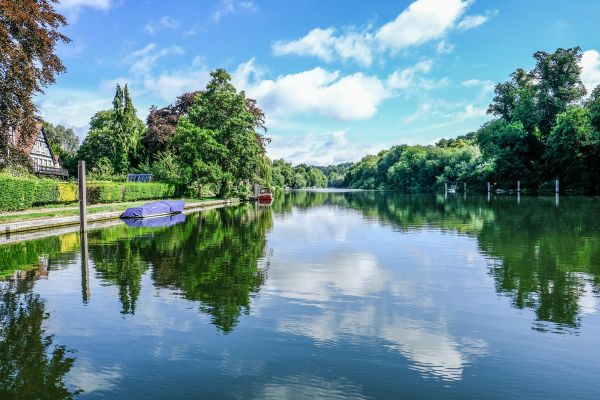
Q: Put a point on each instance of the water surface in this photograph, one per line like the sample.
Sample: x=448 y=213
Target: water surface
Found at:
x=358 y=295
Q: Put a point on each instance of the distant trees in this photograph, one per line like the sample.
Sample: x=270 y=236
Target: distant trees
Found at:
x=543 y=129
x=298 y=177
x=28 y=37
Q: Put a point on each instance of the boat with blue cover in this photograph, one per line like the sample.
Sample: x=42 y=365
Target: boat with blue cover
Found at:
x=155 y=209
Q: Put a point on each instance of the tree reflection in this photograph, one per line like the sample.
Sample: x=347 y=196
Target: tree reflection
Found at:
x=31 y=366
x=215 y=260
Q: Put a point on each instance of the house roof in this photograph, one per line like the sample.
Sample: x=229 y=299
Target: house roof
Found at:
x=28 y=143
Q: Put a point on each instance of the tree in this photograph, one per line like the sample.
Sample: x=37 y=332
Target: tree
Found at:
x=98 y=143
x=127 y=130
x=220 y=115
x=114 y=134
x=559 y=83
x=570 y=147
x=28 y=38
x=200 y=154
x=62 y=140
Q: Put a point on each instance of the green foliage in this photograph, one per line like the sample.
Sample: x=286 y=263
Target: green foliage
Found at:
x=217 y=142
x=114 y=134
x=111 y=192
x=62 y=140
x=16 y=193
x=298 y=177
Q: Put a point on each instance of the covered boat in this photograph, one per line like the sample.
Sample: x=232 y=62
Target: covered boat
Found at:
x=155 y=209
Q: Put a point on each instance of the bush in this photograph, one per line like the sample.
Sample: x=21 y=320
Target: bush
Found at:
x=67 y=192
x=104 y=192
x=19 y=193
x=110 y=192
x=143 y=191
x=16 y=193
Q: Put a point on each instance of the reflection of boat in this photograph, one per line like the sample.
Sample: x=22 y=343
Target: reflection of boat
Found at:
x=157 y=222
x=155 y=209
x=264 y=195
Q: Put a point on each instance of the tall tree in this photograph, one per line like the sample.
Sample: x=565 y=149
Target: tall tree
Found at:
x=29 y=33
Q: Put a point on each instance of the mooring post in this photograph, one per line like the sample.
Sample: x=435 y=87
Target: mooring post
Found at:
x=557 y=187
x=465 y=187
x=82 y=196
x=445 y=186
x=518 y=186
x=489 y=187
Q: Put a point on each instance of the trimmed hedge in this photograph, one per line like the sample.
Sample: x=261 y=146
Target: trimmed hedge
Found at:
x=16 y=193
x=22 y=193
x=111 y=192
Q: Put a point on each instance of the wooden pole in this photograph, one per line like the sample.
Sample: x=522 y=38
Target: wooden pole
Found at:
x=489 y=187
x=465 y=187
x=85 y=269
x=518 y=186
x=82 y=196
x=557 y=187
x=446 y=186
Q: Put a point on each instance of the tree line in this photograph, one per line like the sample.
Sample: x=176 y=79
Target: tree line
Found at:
x=544 y=128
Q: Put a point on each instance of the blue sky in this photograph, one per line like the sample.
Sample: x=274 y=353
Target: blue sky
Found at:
x=337 y=79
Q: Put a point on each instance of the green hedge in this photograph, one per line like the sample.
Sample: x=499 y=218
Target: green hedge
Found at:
x=16 y=193
x=22 y=193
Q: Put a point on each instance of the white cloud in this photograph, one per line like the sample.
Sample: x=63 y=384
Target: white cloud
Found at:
x=320 y=148
x=410 y=78
x=317 y=91
x=486 y=86
x=165 y=22
x=590 y=69
x=471 y=21
x=143 y=60
x=323 y=44
x=230 y=7
x=421 y=22
x=76 y=4
x=443 y=47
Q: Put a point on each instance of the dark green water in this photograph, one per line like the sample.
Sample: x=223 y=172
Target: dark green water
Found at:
x=322 y=295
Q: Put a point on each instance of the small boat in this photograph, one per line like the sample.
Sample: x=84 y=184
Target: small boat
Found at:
x=451 y=190
x=155 y=209
x=264 y=195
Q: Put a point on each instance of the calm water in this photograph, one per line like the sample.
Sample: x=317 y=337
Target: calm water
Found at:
x=323 y=295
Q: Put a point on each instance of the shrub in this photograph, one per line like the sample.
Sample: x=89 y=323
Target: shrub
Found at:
x=144 y=191
x=67 y=192
x=46 y=191
x=104 y=192
x=16 y=193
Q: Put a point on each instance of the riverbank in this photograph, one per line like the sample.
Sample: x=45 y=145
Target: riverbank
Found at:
x=24 y=221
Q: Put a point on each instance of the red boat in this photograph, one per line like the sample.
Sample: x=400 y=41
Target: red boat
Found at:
x=264 y=196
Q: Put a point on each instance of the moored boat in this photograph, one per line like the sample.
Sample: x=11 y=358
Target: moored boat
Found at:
x=155 y=209
x=264 y=195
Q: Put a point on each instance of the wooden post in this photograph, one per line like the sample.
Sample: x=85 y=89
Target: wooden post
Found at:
x=82 y=196
x=489 y=187
x=445 y=186
x=465 y=187
x=518 y=186
x=85 y=269
x=557 y=187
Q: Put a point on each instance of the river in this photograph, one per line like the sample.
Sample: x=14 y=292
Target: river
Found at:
x=323 y=294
